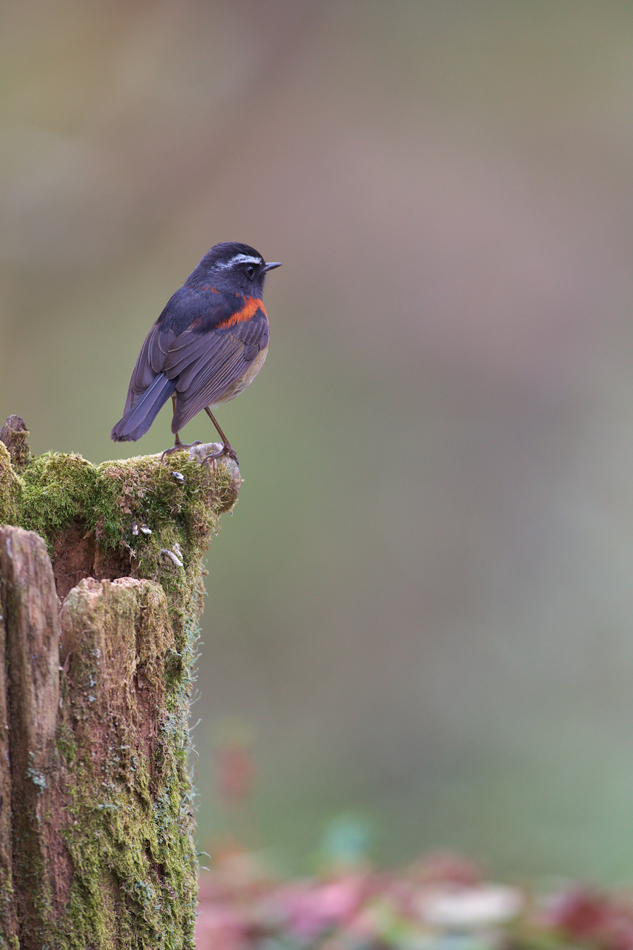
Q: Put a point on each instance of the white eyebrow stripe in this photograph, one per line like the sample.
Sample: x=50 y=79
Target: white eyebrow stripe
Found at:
x=240 y=259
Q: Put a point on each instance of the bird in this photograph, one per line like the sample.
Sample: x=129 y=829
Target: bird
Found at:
x=206 y=347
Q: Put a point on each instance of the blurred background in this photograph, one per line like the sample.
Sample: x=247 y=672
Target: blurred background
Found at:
x=421 y=611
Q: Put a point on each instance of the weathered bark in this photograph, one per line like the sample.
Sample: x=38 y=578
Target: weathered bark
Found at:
x=8 y=908
x=31 y=626
x=96 y=827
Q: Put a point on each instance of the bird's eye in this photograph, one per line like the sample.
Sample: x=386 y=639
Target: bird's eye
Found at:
x=250 y=270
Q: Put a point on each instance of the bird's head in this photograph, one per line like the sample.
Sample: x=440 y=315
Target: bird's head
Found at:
x=232 y=268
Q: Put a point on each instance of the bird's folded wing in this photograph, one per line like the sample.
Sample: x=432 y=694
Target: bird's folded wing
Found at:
x=206 y=365
x=150 y=362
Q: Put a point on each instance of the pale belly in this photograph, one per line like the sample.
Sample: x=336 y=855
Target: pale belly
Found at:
x=240 y=384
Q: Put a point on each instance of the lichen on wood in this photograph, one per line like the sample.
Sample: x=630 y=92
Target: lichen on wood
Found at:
x=122 y=745
x=99 y=852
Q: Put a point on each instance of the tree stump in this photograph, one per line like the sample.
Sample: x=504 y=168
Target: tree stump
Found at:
x=100 y=598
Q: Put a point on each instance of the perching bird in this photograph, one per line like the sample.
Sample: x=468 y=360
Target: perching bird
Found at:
x=207 y=346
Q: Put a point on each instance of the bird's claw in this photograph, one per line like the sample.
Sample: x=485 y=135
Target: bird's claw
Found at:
x=178 y=447
x=225 y=450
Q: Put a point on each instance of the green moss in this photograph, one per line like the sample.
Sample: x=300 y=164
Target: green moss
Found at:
x=148 y=895
x=66 y=744
x=57 y=491
x=10 y=488
x=135 y=510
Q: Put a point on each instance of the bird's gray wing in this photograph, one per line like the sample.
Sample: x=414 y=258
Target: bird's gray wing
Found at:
x=206 y=365
x=150 y=362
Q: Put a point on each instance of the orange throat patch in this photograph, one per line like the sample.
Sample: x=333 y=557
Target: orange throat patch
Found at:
x=250 y=308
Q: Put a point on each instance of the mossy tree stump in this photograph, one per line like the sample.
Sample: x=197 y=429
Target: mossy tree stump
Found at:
x=100 y=597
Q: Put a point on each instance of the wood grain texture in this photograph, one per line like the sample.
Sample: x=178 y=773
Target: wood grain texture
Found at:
x=30 y=608
x=96 y=829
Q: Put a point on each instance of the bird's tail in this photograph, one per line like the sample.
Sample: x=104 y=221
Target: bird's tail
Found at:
x=140 y=416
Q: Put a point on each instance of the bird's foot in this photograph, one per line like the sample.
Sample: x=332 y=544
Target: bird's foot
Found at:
x=179 y=447
x=226 y=449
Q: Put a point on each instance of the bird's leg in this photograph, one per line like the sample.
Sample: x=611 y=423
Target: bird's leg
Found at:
x=178 y=445
x=227 y=448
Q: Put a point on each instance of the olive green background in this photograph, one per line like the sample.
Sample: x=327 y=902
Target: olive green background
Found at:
x=422 y=607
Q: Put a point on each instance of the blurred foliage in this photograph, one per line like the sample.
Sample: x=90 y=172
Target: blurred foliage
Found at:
x=423 y=601
x=441 y=902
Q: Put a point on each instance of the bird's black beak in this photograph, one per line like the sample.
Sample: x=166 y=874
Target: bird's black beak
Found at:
x=272 y=266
